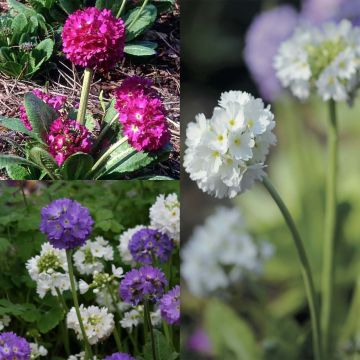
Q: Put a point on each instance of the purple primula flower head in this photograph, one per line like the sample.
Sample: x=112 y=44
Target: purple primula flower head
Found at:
x=319 y=11
x=66 y=223
x=349 y=10
x=13 y=347
x=170 y=306
x=149 y=244
x=145 y=283
x=200 y=342
x=264 y=36
x=119 y=356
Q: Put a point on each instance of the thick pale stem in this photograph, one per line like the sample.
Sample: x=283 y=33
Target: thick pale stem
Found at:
x=85 y=91
x=305 y=268
x=330 y=229
x=88 y=352
x=121 y=8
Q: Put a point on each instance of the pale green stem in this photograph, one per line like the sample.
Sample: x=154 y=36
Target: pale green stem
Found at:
x=138 y=14
x=305 y=268
x=85 y=91
x=148 y=321
x=121 y=8
x=63 y=326
x=88 y=352
x=330 y=229
x=105 y=130
x=116 y=332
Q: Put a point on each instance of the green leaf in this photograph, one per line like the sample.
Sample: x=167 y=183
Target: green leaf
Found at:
x=162 y=348
x=143 y=22
x=14 y=124
x=50 y=320
x=43 y=50
x=4 y=245
x=77 y=166
x=18 y=26
x=21 y=8
x=164 y=5
x=44 y=160
x=229 y=334
x=141 y=48
x=70 y=6
x=8 y=160
x=11 y=68
x=40 y=114
x=18 y=172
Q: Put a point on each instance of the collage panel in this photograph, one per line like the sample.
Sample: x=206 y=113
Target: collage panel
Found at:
x=270 y=231
x=89 y=270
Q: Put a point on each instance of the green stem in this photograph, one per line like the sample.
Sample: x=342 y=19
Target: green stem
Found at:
x=138 y=14
x=104 y=131
x=24 y=196
x=117 y=338
x=330 y=229
x=121 y=8
x=305 y=268
x=116 y=332
x=85 y=91
x=88 y=352
x=148 y=320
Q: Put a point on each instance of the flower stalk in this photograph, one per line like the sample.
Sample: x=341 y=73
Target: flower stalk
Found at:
x=305 y=268
x=148 y=321
x=330 y=228
x=85 y=91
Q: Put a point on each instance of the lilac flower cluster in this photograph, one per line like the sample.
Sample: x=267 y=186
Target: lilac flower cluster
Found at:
x=13 y=347
x=120 y=356
x=170 y=306
x=147 y=244
x=140 y=284
x=66 y=223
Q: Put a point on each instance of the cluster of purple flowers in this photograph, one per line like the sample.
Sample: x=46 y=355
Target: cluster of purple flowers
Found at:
x=146 y=283
x=13 y=347
x=66 y=223
x=170 y=306
x=119 y=356
x=147 y=244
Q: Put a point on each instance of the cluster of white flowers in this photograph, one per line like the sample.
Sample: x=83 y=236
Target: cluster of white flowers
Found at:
x=220 y=253
x=49 y=270
x=135 y=316
x=4 y=321
x=165 y=216
x=80 y=356
x=326 y=58
x=227 y=153
x=98 y=323
x=104 y=298
x=124 y=239
x=87 y=259
x=37 y=351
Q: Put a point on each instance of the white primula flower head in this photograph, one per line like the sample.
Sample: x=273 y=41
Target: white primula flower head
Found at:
x=132 y=318
x=88 y=258
x=98 y=323
x=226 y=154
x=124 y=240
x=222 y=248
x=105 y=298
x=165 y=215
x=326 y=59
x=83 y=287
x=80 y=356
x=4 y=321
x=49 y=270
x=37 y=351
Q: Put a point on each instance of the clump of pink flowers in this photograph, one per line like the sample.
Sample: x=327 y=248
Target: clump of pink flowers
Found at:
x=57 y=102
x=94 y=38
x=142 y=114
x=67 y=137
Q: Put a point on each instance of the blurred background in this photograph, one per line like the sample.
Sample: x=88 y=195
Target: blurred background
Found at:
x=229 y=45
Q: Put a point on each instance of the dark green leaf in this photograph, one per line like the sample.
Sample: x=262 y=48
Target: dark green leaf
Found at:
x=14 y=124
x=20 y=8
x=43 y=50
x=8 y=160
x=77 y=166
x=44 y=160
x=18 y=26
x=18 y=172
x=70 y=6
x=141 y=48
x=164 y=5
x=162 y=348
x=4 y=245
x=50 y=320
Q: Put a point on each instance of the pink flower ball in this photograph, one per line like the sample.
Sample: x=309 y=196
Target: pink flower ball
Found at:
x=142 y=114
x=94 y=38
x=67 y=137
x=57 y=102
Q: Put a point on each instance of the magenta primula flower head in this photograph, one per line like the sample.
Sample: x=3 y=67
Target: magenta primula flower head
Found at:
x=13 y=347
x=66 y=223
x=142 y=114
x=67 y=137
x=57 y=102
x=94 y=38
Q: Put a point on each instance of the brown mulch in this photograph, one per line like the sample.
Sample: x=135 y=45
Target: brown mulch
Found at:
x=163 y=69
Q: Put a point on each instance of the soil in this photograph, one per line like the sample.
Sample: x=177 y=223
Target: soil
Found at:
x=163 y=69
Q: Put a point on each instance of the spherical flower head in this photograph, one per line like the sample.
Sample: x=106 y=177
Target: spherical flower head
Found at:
x=142 y=114
x=165 y=215
x=124 y=240
x=145 y=283
x=94 y=38
x=57 y=102
x=147 y=244
x=119 y=356
x=223 y=248
x=170 y=306
x=264 y=36
x=200 y=342
x=325 y=59
x=66 y=223
x=319 y=11
x=226 y=154
x=13 y=346
x=67 y=137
